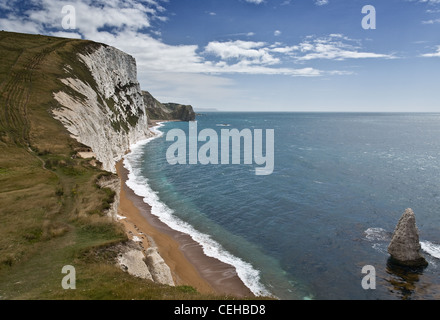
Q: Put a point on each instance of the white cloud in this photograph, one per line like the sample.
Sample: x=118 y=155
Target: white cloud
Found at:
x=64 y=34
x=91 y=16
x=255 y=1
x=249 y=57
x=433 y=55
x=277 y=33
x=333 y=47
x=432 y=9
x=253 y=52
x=432 y=21
x=240 y=34
x=24 y=26
x=428 y=1
x=321 y=2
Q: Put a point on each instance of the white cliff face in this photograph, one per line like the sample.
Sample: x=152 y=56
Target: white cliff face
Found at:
x=109 y=114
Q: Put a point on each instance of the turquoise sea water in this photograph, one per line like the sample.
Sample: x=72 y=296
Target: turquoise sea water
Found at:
x=340 y=183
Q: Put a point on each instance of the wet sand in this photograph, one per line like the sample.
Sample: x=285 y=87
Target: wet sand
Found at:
x=185 y=257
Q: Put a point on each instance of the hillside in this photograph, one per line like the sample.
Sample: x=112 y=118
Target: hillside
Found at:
x=52 y=211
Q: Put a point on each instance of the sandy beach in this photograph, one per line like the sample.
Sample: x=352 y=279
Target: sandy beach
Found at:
x=185 y=257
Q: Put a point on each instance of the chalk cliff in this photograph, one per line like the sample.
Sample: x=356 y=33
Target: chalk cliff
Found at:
x=104 y=109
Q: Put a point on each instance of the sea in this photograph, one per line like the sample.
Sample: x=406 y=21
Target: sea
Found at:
x=339 y=185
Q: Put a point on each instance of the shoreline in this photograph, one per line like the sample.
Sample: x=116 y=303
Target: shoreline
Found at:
x=188 y=263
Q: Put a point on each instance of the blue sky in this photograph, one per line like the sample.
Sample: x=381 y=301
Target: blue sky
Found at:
x=262 y=55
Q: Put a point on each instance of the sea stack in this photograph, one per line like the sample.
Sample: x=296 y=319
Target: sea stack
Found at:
x=405 y=245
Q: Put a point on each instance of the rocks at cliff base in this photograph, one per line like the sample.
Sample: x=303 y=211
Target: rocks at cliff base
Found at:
x=132 y=261
x=145 y=264
x=158 y=268
x=405 y=245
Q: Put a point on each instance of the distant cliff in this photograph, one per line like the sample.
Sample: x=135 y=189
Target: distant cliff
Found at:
x=167 y=111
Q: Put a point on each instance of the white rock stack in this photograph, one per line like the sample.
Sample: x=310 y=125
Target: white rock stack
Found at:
x=405 y=244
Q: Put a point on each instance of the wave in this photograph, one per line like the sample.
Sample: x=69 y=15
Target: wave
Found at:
x=139 y=184
x=431 y=248
x=379 y=236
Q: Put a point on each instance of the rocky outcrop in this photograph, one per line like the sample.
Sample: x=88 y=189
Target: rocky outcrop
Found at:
x=143 y=264
x=132 y=261
x=167 y=111
x=158 y=268
x=104 y=108
x=113 y=183
x=405 y=245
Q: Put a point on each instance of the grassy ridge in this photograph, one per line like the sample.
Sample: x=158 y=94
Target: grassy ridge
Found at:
x=51 y=210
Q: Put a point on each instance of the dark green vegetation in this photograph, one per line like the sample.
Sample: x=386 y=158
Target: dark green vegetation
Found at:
x=51 y=209
x=167 y=111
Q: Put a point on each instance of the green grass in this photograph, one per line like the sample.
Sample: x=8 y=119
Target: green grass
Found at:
x=51 y=210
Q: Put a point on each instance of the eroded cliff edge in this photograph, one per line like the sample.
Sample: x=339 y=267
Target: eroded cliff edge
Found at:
x=105 y=111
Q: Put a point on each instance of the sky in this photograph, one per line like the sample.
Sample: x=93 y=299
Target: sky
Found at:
x=261 y=55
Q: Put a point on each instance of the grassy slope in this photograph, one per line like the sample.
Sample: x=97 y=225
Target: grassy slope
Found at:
x=50 y=206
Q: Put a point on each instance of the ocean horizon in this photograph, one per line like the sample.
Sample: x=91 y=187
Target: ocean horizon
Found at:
x=340 y=183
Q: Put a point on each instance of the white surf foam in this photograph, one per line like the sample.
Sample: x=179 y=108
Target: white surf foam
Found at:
x=245 y=271
x=431 y=248
x=379 y=235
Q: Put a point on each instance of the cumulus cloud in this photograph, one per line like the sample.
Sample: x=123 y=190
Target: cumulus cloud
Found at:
x=249 y=51
x=92 y=16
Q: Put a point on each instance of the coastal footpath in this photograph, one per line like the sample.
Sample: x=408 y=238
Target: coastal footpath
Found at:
x=70 y=111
